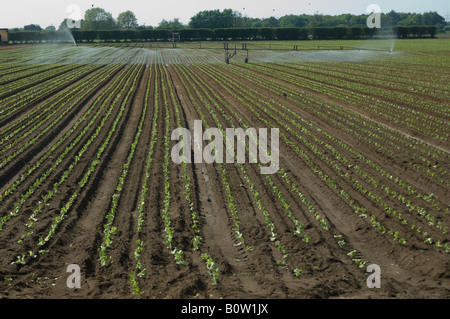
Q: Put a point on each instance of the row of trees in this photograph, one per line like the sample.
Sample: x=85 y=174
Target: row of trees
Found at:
x=100 y=19
x=228 y=19
x=221 y=34
x=94 y=19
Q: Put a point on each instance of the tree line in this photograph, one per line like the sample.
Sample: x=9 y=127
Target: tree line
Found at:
x=96 y=19
x=100 y=25
x=228 y=19
x=220 y=34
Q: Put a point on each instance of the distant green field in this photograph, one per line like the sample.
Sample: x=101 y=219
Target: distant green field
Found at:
x=428 y=51
x=423 y=51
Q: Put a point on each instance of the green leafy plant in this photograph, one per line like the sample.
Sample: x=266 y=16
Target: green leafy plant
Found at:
x=212 y=267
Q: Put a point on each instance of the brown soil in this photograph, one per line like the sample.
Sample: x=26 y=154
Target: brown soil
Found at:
x=253 y=270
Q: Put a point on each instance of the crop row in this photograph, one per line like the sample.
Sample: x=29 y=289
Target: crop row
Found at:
x=211 y=265
x=108 y=228
x=57 y=220
x=361 y=95
x=401 y=74
x=252 y=99
x=140 y=270
x=421 y=151
x=254 y=191
x=92 y=167
x=378 y=199
x=323 y=224
x=271 y=185
x=48 y=110
x=319 y=106
x=43 y=177
x=405 y=91
x=35 y=93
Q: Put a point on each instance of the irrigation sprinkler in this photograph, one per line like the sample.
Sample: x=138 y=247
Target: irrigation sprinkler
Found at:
x=232 y=50
x=229 y=56
x=176 y=38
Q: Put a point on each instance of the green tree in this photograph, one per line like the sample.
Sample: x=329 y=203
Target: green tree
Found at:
x=213 y=19
x=32 y=27
x=413 y=19
x=50 y=28
x=271 y=22
x=63 y=26
x=127 y=21
x=341 y=20
x=242 y=21
x=433 y=18
x=292 y=21
x=257 y=23
x=316 y=21
x=172 y=24
x=98 y=19
x=390 y=19
x=358 y=21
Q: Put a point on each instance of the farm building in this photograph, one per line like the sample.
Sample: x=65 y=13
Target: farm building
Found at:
x=4 y=36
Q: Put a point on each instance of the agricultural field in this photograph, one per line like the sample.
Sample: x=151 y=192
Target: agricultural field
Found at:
x=87 y=175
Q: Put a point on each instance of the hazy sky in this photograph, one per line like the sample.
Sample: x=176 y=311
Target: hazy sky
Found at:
x=17 y=13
